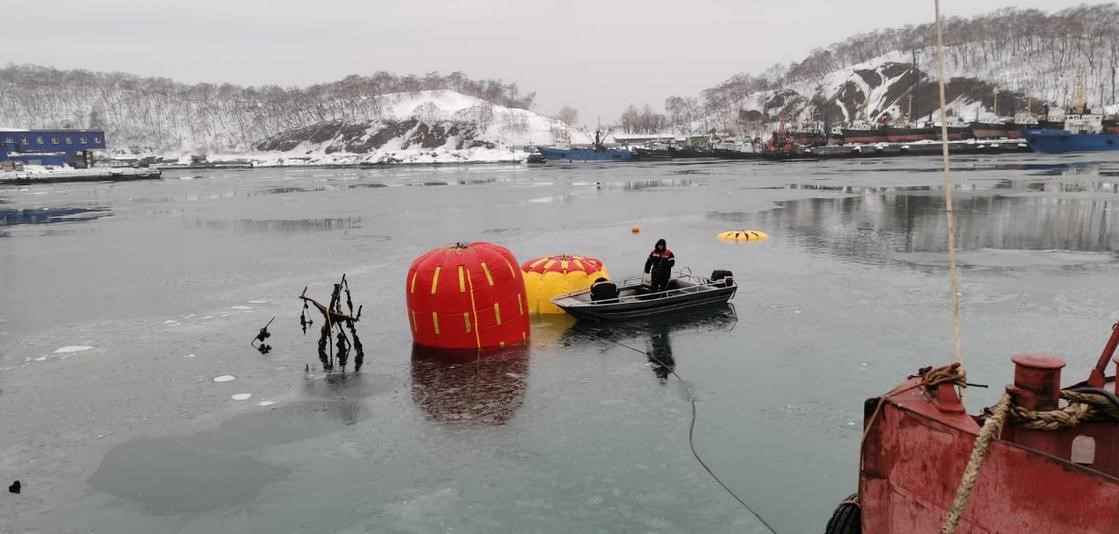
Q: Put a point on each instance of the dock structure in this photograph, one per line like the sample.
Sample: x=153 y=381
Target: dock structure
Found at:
x=100 y=174
x=49 y=148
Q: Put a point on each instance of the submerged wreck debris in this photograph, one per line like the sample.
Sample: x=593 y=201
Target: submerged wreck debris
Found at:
x=263 y=347
x=333 y=318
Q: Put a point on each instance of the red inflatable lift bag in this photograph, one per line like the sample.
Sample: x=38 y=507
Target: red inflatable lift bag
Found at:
x=467 y=297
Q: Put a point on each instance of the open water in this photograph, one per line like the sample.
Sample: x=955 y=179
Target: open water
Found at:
x=120 y=304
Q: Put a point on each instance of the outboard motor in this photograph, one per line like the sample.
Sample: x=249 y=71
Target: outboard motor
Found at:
x=604 y=289
x=725 y=276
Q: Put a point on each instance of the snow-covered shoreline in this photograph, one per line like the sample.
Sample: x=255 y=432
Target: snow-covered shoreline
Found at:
x=39 y=175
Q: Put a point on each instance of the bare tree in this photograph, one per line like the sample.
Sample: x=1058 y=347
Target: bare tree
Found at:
x=568 y=115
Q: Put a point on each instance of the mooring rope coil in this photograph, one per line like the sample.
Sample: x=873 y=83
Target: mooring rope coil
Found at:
x=691 y=425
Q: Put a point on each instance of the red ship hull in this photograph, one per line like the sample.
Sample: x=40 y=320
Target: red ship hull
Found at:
x=864 y=137
x=918 y=441
x=995 y=131
x=914 y=458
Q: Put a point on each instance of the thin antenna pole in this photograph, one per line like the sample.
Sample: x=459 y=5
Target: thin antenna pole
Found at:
x=948 y=191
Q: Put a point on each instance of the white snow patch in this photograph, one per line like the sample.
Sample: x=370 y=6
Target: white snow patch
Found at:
x=188 y=356
x=261 y=301
x=224 y=378
x=265 y=403
x=241 y=396
x=242 y=307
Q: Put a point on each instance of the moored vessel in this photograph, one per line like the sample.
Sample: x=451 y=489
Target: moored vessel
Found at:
x=596 y=152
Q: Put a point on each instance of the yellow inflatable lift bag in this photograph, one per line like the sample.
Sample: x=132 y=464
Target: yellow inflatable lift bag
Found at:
x=550 y=276
x=743 y=235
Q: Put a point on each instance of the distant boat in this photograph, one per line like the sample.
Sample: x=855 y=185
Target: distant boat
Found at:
x=596 y=152
x=585 y=154
x=1082 y=132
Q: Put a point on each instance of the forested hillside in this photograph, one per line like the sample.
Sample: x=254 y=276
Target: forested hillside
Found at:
x=158 y=115
x=1030 y=57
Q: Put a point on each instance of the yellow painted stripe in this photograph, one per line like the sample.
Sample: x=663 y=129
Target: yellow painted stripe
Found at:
x=435 y=322
x=549 y=264
x=487 y=271
x=415 y=327
x=435 y=280
x=512 y=272
x=520 y=307
x=563 y=265
x=461 y=281
x=466 y=318
x=501 y=344
x=579 y=264
x=497 y=312
x=537 y=263
x=413 y=288
x=474 y=310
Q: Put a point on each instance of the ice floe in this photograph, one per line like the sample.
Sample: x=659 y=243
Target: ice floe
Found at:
x=71 y=348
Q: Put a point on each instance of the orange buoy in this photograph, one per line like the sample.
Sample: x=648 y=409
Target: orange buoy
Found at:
x=467 y=297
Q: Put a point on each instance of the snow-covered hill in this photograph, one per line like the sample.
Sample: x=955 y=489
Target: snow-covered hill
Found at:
x=382 y=117
x=424 y=127
x=1030 y=58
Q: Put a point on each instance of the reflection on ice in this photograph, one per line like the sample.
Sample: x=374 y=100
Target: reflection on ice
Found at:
x=467 y=387
x=651 y=337
x=876 y=226
x=12 y=217
x=283 y=226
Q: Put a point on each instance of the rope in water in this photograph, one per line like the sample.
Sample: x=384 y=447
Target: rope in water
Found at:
x=691 y=425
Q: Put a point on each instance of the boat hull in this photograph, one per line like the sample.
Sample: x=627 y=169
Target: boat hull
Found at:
x=914 y=456
x=990 y=130
x=864 y=137
x=1059 y=141
x=910 y=135
x=585 y=154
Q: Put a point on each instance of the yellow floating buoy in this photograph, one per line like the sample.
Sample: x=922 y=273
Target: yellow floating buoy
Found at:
x=635 y=229
x=743 y=235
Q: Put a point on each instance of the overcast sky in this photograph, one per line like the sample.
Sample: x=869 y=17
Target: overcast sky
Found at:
x=596 y=56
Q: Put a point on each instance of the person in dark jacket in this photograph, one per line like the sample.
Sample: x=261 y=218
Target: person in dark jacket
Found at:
x=659 y=266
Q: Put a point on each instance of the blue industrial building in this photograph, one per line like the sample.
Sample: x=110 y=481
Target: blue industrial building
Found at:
x=51 y=147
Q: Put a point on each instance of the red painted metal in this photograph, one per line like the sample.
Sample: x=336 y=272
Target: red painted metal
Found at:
x=1096 y=379
x=1037 y=381
x=918 y=443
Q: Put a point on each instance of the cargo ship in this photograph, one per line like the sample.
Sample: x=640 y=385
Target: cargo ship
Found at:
x=1083 y=131
x=596 y=152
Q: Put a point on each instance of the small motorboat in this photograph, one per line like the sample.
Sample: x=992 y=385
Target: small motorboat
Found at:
x=634 y=300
